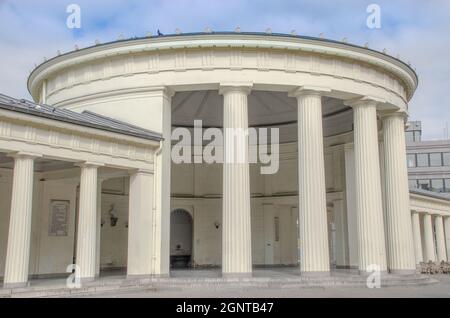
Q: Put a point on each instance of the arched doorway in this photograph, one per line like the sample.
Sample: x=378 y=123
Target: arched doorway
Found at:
x=180 y=239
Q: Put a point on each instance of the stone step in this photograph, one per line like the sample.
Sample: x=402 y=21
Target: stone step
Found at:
x=155 y=284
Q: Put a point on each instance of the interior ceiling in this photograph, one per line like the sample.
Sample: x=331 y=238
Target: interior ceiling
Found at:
x=265 y=108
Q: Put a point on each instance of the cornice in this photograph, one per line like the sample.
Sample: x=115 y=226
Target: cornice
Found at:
x=227 y=40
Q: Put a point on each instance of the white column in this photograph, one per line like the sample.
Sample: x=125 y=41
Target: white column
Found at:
x=140 y=224
x=417 y=237
x=18 y=248
x=86 y=254
x=447 y=234
x=160 y=106
x=400 y=242
x=371 y=235
x=236 y=226
x=430 y=254
x=314 y=250
x=440 y=238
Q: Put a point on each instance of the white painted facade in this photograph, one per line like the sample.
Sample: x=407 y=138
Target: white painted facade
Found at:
x=339 y=199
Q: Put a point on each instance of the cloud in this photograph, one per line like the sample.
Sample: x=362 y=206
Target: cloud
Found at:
x=415 y=29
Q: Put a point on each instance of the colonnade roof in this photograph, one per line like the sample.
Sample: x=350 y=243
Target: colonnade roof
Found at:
x=86 y=118
x=430 y=194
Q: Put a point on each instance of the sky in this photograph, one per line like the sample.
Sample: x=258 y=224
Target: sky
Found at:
x=416 y=30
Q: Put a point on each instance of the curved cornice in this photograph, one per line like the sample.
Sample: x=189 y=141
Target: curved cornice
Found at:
x=226 y=39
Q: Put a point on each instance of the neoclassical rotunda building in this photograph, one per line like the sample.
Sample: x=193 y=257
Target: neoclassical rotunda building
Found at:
x=87 y=176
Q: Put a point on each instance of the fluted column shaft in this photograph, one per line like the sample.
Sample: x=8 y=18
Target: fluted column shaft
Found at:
x=447 y=234
x=87 y=223
x=371 y=234
x=430 y=254
x=400 y=240
x=417 y=237
x=236 y=230
x=314 y=250
x=440 y=238
x=18 y=248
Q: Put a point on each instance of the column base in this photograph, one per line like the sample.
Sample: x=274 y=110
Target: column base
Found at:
x=315 y=274
x=87 y=279
x=15 y=285
x=403 y=271
x=237 y=275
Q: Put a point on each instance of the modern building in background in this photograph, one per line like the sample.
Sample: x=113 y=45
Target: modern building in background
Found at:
x=428 y=161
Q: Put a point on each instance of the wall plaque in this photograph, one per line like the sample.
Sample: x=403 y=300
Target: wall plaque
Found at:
x=59 y=218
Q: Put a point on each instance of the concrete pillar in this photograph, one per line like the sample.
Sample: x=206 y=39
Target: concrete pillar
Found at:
x=400 y=242
x=447 y=234
x=236 y=230
x=371 y=234
x=430 y=254
x=417 y=237
x=18 y=247
x=160 y=105
x=140 y=225
x=86 y=254
x=440 y=238
x=314 y=249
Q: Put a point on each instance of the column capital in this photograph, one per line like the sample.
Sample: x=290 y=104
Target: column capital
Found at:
x=24 y=154
x=309 y=90
x=164 y=90
x=364 y=101
x=89 y=164
x=386 y=115
x=244 y=87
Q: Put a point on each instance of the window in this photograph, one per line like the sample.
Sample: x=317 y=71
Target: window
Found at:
x=424 y=184
x=435 y=159
x=437 y=185
x=417 y=135
x=413 y=183
x=413 y=135
x=446 y=156
x=409 y=136
x=447 y=185
x=422 y=160
x=411 y=160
